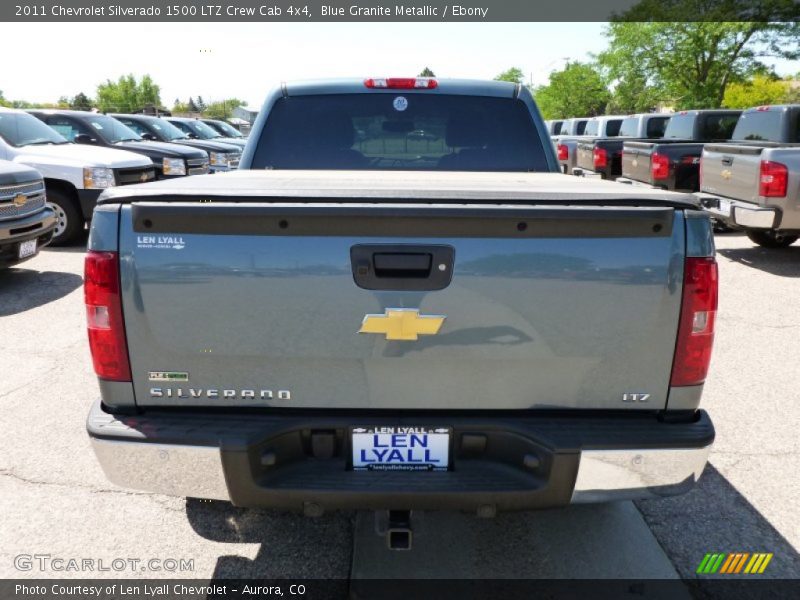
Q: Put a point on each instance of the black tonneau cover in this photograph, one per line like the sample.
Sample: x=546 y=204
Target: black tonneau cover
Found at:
x=412 y=187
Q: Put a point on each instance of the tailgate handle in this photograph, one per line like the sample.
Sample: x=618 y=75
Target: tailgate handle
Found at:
x=727 y=161
x=402 y=266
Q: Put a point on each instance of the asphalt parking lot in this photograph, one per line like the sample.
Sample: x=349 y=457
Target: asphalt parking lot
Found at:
x=55 y=500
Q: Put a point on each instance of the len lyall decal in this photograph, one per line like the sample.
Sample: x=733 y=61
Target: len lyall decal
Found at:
x=734 y=563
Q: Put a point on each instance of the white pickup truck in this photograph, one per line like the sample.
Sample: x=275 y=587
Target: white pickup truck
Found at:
x=74 y=175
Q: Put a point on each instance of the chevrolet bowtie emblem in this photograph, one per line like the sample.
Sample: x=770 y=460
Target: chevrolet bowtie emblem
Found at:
x=726 y=174
x=402 y=324
x=20 y=200
x=635 y=163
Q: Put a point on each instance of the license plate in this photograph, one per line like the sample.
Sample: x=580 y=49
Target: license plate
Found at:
x=27 y=248
x=401 y=448
x=724 y=207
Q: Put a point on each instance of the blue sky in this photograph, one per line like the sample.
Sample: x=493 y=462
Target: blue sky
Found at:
x=244 y=60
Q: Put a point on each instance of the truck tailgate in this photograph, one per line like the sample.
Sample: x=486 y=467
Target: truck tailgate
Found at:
x=585 y=156
x=636 y=161
x=258 y=304
x=732 y=171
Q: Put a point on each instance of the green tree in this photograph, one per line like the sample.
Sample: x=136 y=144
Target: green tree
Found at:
x=691 y=63
x=762 y=89
x=191 y=106
x=222 y=109
x=127 y=95
x=3 y=101
x=201 y=105
x=81 y=101
x=514 y=75
x=426 y=72
x=578 y=90
x=179 y=107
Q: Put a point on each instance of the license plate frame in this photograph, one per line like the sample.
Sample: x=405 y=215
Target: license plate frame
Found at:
x=27 y=248
x=401 y=448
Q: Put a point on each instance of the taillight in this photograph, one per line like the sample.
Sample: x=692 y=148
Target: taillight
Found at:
x=696 y=328
x=773 y=179
x=600 y=158
x=104 y=316
x=563 y=152
x=402 y=83
x=659 y=166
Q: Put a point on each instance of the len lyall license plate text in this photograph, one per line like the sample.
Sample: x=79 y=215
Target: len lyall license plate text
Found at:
x=401 y=448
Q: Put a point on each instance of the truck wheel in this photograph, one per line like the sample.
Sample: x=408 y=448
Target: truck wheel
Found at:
x=69 y=221
x=771 y=239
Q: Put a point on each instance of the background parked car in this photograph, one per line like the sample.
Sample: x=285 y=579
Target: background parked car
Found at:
x=74 y=175
x=603 y=157
x=596 y=127
x=26 y=222
x=169 y=160
x=574 y=126
x=201 y=131
x=553 y=127
x=673 y=162
x=221 y=157
x=753 y=182
x=224 y=128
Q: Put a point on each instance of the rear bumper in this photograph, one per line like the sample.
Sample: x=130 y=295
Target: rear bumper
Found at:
x=740 y=214
x=581 y=172
x=297 y=461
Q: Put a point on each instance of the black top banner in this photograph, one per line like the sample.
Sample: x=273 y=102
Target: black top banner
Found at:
x=398 y=11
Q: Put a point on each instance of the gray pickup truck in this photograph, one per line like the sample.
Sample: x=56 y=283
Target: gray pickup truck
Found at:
x=409 y=335
x=673 y=162
x=26 y=222
x=753 y=182
x=602 y=157
x=605 y=126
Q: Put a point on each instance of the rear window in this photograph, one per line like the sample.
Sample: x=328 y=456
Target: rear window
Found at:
x=656 y=126
x=400 y=132
x=762 y=126
x=681 y=127
x=612 y=127
x=719 y=127
x=592 y=127
x=629 y=127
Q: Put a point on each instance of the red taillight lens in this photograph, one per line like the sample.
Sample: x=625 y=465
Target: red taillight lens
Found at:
x=773 y=179
x=696 y=329
x=563 y=152
x=600 y=158
x=104 y=316
x=402 y=83
x=659 y=166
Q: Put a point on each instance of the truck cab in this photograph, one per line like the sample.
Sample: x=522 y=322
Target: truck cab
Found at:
x=81 y=127
x=74 y=175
